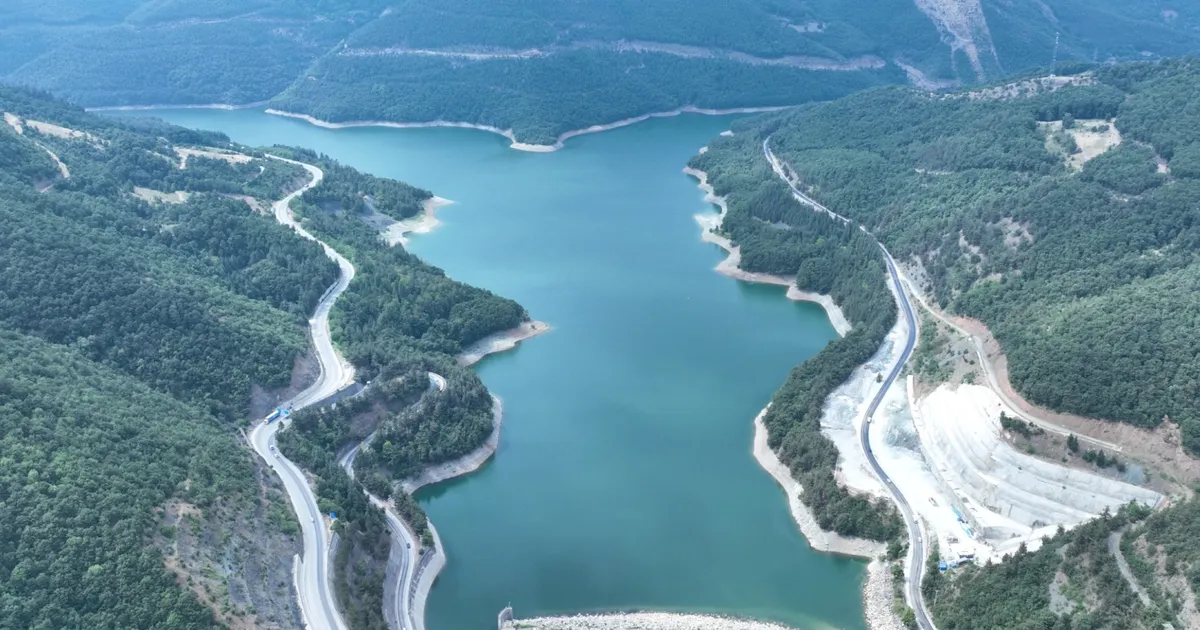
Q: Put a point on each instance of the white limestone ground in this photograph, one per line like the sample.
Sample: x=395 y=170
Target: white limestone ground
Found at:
x=1005 y=496
x=817 y=538
x=502 y=341
x=212 y=154
x=396 y=232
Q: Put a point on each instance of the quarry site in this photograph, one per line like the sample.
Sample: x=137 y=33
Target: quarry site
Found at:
x=983 y=480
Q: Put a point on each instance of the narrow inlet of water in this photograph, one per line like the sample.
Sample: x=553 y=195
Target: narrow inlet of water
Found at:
x=624 y=478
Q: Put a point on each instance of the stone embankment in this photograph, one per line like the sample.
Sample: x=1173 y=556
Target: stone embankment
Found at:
x=641 y=621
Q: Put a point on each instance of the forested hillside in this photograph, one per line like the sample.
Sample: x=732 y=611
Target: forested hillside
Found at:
x=1075 y=579
x=400 y=319
x=134 y=326
x=148 y=300
x=777 y=235
x=1084 y=270
x=544 y=67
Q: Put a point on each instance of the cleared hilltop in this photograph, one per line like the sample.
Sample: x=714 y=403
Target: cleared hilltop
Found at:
x=541 y=67
x=151 y=305
x=1048 y=230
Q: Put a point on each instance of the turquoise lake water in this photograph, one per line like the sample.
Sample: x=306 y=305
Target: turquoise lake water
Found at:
x=624 y=478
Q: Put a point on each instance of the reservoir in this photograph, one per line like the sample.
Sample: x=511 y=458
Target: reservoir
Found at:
x=624 y=478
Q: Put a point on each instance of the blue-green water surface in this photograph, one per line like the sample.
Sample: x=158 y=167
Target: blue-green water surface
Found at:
x=624 y=478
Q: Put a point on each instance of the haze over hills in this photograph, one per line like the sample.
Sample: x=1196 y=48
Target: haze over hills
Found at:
x=543 y=67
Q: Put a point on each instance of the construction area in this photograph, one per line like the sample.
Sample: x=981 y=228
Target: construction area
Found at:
x=978 y=494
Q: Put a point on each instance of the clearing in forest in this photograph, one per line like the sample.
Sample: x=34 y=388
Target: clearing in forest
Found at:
x=1089 y=138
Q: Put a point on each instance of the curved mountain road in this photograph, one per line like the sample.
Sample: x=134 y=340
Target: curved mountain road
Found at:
x=318 y=605
x=916 y=568
x=398 y=612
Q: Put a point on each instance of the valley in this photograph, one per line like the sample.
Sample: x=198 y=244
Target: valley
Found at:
x=753 y=314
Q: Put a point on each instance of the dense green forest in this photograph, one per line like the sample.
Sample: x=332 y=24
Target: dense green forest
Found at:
x=401 y=316
x=131 y=334
x=398 y=320
x=164 y=311
x=201 y=299
x=1073 y=579
x=778 y=235
x=543 y=67
x=1082 y=276
x=559 y=92
x=89 y=453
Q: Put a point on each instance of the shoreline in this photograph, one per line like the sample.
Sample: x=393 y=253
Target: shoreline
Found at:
x=466 y=464
x=647 y=620
x=818 y=539
x=424 y=223
x=499 y=342
x=502 y=341
x=877 y=588
x=876 y=593
x=508 y=133
x=709 y=225
x=150 y=108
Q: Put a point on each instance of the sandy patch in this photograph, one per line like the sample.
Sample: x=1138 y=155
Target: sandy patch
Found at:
x=501 y=342
x=232 y=158
x=921 y=81
x=711 y=223
x=50 y=130
x=254 y=204
x=61 y=132
x=62 y=168
x=424 y=223
x=1093 y=137
x=14 y=122
x=63 y=172
x=150 y=195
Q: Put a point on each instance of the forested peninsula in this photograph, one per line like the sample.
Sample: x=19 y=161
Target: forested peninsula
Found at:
x=151 y=305
x=541 y=68
x=1060 y=213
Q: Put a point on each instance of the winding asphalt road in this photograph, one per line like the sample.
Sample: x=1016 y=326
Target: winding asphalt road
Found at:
x=916 y=569
x=317 y=603
x=398 y=613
